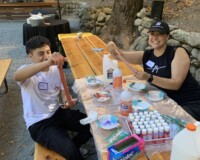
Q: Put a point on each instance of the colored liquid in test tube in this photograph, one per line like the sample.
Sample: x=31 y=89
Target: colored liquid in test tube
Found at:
x=149 y=135
x=160 y=134
x=155 y=134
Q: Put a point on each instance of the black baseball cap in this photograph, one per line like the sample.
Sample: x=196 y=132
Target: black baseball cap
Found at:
x=159 y=26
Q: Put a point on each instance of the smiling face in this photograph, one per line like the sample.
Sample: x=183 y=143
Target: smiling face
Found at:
x=158 y=40
x=40 y=54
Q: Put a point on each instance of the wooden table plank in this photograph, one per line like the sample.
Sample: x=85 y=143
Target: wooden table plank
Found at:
x=161 y=156
x=93 y=58
x=98 y=43
x=4 y=66
x=79 y=66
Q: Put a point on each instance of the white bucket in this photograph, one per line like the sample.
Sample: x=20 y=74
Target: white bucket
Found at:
x=186 y=144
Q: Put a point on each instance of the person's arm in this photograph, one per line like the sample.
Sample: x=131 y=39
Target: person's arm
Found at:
x=180 y=66
x=133 y=57
x=27 y=72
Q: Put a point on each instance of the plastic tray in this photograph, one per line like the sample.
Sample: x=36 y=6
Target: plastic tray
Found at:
x=153 y=141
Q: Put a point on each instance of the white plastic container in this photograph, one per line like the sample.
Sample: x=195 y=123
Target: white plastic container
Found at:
x=186 y=144
x=117 y=79
x=108 y=67
x=125 y=103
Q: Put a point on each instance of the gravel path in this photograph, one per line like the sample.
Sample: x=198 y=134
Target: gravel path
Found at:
x=16 y=143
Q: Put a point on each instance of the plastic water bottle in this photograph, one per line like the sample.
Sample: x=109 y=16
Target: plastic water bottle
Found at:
x=108 y=67
x=186 y=144
x=125 y=103
x=117 y=79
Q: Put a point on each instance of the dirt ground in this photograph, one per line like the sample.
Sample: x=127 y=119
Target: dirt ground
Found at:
x=183 y=13
x=15 y=141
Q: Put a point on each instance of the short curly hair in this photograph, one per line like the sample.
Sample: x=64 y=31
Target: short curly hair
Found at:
x=36 y=42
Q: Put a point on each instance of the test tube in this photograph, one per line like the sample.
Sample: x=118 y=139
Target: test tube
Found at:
x=166 y=132
x=147 y=126
x=137 y=131
x=134 y=123
x=145 y=113
x=142 y=120
x=151 y=122
x=144 y=134
x=146 y=122
x=155 y=111
x=140 y=113
x=140 y=123
x=160 y=134
x=141 y=127
x=131 y=117
x=155 y=134
x=135 y=114
x=149 y=135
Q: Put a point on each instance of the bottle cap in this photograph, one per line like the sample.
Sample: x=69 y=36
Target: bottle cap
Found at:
x=141 y=126
x=155 y=129
x=137 y=131
x=150 y=130
x=191 y=127
x=144 y=131
x=161 y=129
x=167 y=128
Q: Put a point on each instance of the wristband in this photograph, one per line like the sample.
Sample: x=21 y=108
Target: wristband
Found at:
x=150 y=78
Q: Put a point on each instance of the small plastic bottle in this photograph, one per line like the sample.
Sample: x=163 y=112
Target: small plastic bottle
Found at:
x=137 y=131
x=144 y=134
x=149 y=135
x=117 y=79
x=160 y=134
x=108 y=67
x=166 y=132
x=125 y=103
x=131 y=117
x=155 y=134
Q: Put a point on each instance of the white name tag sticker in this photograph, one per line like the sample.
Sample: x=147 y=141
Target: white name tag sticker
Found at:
x=150 y=64
x=43 y=86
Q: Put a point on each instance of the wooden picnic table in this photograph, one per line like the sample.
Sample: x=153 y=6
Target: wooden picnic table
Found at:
x=84 y=61
x=4 y=66
x=82 y=58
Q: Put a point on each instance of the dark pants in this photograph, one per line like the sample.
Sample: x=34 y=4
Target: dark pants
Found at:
x=192 y=108
x=52 y=133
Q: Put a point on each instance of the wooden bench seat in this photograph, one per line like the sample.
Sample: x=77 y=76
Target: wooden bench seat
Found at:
x=4 y=66
x=42 y=153
x=22 y=10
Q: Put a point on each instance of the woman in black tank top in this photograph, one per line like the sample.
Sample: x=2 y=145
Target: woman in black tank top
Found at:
x=166 y=67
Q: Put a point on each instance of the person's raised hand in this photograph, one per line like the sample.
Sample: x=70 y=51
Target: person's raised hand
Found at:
x=57 y=59
x=141 y=75
x=70 y=104
x=113 y=50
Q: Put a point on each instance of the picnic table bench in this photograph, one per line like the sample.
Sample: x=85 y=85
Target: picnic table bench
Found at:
x=22 y=10
x=42 y=153
x=4 y=66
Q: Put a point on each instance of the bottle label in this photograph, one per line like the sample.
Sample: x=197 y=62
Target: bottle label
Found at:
x=125 y=107
x=117 y=83
x=110 y=73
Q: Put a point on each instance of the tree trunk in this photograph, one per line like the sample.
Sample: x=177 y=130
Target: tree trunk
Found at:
x=121 y=24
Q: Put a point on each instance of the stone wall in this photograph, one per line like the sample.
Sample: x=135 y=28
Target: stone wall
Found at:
x=94 y=19
x=73 y=7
